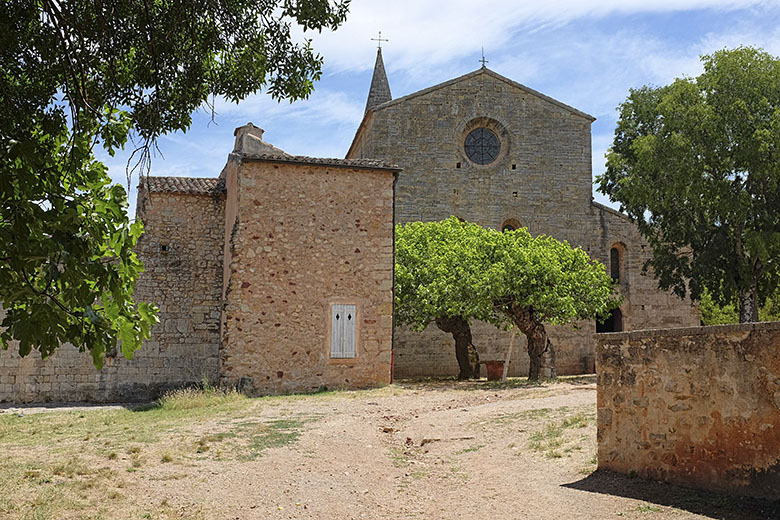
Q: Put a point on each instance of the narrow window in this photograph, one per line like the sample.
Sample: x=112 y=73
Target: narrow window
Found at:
x=614 y=263
x=342 y=331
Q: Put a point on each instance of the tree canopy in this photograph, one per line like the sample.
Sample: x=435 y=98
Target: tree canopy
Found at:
x=459 y=269
x=438 y=279
x=77 y=74
x=696 y=164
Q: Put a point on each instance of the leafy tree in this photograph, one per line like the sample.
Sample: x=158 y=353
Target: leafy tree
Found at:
x=437 y=279
x=457 y=271
x=76 y=74
x=714 y=314
x=696 y=164
x=533 y=281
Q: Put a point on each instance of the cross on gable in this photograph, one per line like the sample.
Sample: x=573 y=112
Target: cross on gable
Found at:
x=483 y=60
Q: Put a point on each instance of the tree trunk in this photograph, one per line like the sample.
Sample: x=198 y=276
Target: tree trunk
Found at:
x=461 y=333
x=538 y=344
x=748 y=305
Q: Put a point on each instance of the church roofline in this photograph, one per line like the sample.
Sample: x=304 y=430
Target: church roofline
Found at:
x=362 y=164
x=485 y=70
x=615 y=212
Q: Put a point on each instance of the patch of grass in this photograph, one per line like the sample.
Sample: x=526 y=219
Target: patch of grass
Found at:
x=647 y=508
x=552 y=440
x=399 y=457
x=472 y=449
x=270 y=434
x=202 y=397
x=166 y=457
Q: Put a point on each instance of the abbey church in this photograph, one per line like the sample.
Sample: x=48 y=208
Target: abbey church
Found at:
x=276 y=275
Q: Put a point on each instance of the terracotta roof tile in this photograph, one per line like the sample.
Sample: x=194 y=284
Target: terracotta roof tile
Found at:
x=372 y=164
x=204 y=185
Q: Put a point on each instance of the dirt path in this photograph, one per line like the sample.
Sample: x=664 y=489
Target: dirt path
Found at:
x=446 y=451
x=437 y=450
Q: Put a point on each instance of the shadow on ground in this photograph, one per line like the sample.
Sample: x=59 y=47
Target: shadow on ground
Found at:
x=711 y=505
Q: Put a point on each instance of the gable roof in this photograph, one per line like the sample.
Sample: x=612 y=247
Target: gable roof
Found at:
x=496 y=75
x=194 y=185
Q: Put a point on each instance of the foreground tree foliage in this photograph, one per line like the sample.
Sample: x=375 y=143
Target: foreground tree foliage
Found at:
x=75 y=74
x=459 y=271
x=696 y=164
x=437 y=270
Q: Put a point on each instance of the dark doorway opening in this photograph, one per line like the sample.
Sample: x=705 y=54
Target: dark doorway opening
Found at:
x=613 y=322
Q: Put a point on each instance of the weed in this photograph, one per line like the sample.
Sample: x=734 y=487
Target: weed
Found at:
x=646 y=508
x=203 y=397
x=552 y=438
x=166 y=457
x=472 y=449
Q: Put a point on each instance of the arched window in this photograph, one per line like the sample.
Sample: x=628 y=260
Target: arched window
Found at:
x=510 y=224
x=612 y=323
x=614 y=263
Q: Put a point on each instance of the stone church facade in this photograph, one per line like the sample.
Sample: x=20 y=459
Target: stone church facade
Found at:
x=492 y=151
x=277 y=275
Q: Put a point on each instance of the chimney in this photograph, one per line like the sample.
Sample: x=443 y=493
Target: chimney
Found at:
x=249 y=141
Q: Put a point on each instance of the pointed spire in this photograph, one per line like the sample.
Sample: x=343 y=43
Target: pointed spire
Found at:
x=380 y=88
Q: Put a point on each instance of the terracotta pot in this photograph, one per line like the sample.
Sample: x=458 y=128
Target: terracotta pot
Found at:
x=495 y=370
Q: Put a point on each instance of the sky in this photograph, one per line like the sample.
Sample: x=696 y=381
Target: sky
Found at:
x=585 y=53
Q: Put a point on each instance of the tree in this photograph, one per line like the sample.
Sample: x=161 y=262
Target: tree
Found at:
x=459 y=271
x=77 y=74
x=696 y=164
x=538 y=280
x=437 y=279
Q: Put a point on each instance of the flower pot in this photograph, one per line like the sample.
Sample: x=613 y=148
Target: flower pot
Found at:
x=495 y=370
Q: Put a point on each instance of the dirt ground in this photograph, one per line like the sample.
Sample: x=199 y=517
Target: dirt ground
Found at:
x=436 y=450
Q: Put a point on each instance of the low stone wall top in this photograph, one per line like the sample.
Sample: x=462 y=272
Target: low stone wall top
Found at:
x=695 y=406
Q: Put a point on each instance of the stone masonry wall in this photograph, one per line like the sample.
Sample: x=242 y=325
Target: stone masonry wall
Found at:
x=307 y=236
x=185 y=281
x=541 y=180
x=698 y=407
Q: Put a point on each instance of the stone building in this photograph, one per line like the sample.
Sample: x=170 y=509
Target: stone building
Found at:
x=274 y=277
x=492 y=151
x=277 y=275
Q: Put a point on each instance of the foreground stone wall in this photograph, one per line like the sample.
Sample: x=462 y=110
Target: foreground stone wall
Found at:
x=698 y=407
x=181 y=250
x=306 y=236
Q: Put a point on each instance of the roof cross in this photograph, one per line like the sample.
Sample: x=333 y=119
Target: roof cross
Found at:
x=379 y=40
x=483 y=60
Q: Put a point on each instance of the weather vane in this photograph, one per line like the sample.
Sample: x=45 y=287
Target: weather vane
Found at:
x=483 y=60
x=379 y=40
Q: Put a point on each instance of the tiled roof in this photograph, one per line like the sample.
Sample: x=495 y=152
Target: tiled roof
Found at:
x=203 y=185
x=371 y=164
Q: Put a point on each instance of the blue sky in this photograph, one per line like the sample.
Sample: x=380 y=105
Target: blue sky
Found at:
x=585 y=53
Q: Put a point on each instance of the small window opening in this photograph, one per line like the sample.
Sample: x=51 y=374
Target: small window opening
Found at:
x=612 y=323
x=164 y=248
x=614 y=263
x=514 y=194
x=514 y=166
x=457 y=165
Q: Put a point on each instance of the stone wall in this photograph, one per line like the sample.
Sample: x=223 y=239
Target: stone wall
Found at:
x=698 y=407
x=540 y=180
x=306 y=236
x=181 y=250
